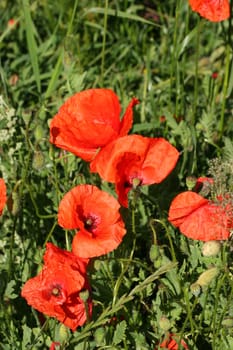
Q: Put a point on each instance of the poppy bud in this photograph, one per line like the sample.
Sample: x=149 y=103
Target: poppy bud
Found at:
x=211 y=248
x=207 y=276
x=154 y=252
x=38 y=160
x=39 y=132
x=13 y=203
x=164 y=323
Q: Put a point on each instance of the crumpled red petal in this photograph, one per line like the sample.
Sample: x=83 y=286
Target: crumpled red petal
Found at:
x=198 y=218
x=55 y=290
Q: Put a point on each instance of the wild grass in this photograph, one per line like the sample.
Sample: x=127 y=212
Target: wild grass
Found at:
x=180 y=68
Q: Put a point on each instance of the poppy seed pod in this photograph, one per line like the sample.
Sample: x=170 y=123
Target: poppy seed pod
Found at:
x=164 y=323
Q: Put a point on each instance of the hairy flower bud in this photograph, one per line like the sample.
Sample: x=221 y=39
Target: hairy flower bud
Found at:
x=195 y=289
x=207 y=276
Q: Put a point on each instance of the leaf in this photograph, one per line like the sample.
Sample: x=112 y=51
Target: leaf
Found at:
x=119 y=333
x=120 y=14
x=228 y=149
x=9 y=292
x=27 y=333
x=186 y=41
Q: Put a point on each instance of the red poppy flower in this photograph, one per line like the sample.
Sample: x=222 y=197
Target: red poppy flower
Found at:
x=199 y=218
x=89 y=120
x=96 y=214
x=55 y=290
x=213 y=10
x=172 y=342
x=135 y=160
x=3 y=197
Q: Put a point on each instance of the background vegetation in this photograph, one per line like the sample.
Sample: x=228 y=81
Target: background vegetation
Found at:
x=180 y=68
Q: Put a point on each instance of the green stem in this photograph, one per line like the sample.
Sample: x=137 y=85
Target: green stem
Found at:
x=125 y=268
x=41 y=216
x=225 y=87
x=104 y=40
x=195 y=100
x=50 y=232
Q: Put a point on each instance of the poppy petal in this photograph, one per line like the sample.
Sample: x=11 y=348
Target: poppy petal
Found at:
x=96 y=214
x=107 y=161
x=89 y=120
x=55 y=290
x=3 y=197
x=127 y=120
x=87 y=246
x=183 y=205
x=198 y=218
x=160 y=160
x=213 y=10
x=134 y=157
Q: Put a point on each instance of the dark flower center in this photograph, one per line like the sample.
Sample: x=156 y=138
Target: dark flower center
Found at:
x=91 y=223
x=55 y=293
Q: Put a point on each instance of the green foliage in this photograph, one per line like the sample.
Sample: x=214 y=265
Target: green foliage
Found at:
x=165 y=55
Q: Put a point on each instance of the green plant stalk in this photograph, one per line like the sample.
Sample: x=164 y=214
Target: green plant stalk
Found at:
x=225 y=87
x=40 y=216
x=189 y=313
x=57 y=69
x=174 y=53
x=50 y=232
x=214 y=316
x=104 y=41
x=195 y=99
x=103 y=318
x=31 y=43
x=124 y=270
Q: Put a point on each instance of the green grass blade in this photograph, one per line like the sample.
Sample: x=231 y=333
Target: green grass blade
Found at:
x=120 y=14
x=31 y=43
